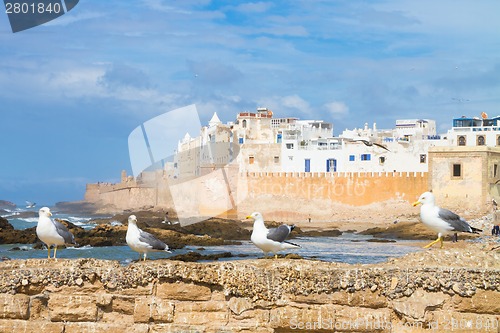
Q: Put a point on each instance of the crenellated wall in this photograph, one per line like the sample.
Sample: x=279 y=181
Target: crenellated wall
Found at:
x=89 y=295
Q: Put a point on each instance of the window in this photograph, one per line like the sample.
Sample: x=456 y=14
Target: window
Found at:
x=498 y=140
x=365 y=157
x=461 y=140
x=481 y=140
x=278 y=138
x=423 y=158
x=351 y=158
x=240 y=141
x=250 y=160
x=495 y=170
x=244 y=123
x=457 y=170
x=381 y=160
x=289 y=146
x=276 y=159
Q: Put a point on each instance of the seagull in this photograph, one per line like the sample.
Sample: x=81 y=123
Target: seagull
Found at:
x=441 y=220
x=30 y=204
x=371 y=144
x=52 y=232
x=141 y=241
x=270 y=240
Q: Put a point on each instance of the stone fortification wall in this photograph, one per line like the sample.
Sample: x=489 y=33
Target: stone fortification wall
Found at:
x=332 y=196
x=275 y=193
x=89 y=295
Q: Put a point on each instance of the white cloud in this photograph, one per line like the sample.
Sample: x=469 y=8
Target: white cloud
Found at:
x=296 y=102
x=337 y=109
x=254 y=7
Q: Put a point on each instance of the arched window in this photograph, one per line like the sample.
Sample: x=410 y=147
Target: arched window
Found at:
x=461 y=140
x=244 y=123
x=481 y=140
x=498 y=140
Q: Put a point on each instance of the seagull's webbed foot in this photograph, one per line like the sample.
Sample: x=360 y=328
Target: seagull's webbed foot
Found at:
x=439 y=239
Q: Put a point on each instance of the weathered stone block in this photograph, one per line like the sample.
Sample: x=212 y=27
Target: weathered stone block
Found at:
x=240 y=304
x=72 y=308
x=176 y=328
x=415 y=306
x=183 y=291
x=457 y=322
x=356 y=319
x=14 y=306
x=123 y=304
x=152 y=308
x=105 y=327
x=38 y=308
x=250 y=319
x=30 y=326
x=200 y=313
x=483 y=301
x=363 y=298
x=300 y=315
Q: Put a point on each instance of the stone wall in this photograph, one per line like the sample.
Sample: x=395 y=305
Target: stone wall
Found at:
x=266 y=191
x=89 y=295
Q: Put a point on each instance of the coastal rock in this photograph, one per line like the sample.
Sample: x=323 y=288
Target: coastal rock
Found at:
x=407 y=230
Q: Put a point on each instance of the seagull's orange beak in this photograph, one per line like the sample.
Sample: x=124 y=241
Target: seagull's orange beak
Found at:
x=249 y=217
x=416 y=203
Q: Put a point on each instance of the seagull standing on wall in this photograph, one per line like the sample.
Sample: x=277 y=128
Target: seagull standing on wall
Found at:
x=52 y=232
x=270 y=240
x=441 y=220
x=141 y=241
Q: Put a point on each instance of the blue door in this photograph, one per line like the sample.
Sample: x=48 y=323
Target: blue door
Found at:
x=331 y=165
x=307 y=165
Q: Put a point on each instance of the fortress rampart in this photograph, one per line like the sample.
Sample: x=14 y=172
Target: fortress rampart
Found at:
x=89 y=295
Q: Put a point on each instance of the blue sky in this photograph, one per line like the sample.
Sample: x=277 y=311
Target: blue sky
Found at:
x=73 y=89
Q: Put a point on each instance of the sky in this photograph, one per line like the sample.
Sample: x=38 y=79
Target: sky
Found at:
x=73 y=89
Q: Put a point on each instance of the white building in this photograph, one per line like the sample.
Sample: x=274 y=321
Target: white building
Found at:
x=260 y=143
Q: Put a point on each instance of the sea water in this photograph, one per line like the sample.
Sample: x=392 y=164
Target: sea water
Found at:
x=348 y=248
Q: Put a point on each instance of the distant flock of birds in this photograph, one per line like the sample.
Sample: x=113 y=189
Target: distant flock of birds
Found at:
x=443 y=221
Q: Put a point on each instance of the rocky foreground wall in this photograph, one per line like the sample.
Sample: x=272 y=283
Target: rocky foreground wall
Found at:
x=89 y=295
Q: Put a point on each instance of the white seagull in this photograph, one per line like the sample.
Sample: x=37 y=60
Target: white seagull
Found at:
x=141 y=241
x=52 y=232
x=270 y=240
x=441 y=220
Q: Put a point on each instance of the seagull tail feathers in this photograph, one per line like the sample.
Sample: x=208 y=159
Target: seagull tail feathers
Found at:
x=290 y=245
x=475 y=230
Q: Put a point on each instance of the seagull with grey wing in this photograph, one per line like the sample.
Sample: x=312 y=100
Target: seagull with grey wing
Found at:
x=371 y=144
x=141 y=241
x=441 y=220
x=52 y=232
x=270 y=240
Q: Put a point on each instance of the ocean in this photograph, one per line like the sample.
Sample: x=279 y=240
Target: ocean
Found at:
x=348 y=248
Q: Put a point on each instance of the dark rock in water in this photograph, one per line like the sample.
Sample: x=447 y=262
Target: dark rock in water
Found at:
x=195 y=256
x=378 y=240
x=76 y=207
x=219 y=228
x=9 y=235
x=403 y=230
x=17 y=248
x=321 y=233
x=5 y=225
x=4 y=258
x=4 y=204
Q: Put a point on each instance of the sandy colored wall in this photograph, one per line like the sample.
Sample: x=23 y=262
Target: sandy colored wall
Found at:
x=332 y=197
x=89 y=295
